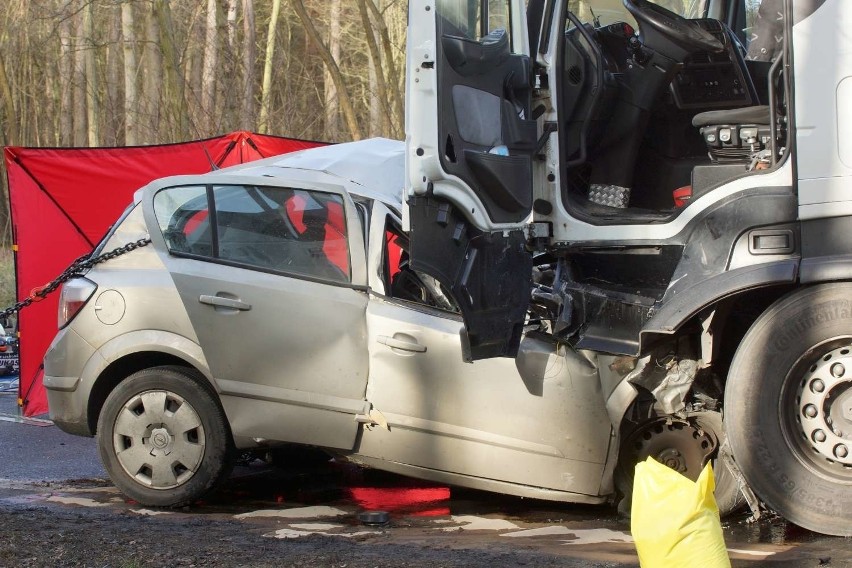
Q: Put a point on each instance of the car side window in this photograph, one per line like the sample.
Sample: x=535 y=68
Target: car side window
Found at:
x=183 y=216
x=404 y=283
x=292 y=231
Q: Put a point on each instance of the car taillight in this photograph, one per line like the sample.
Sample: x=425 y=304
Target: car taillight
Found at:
x=75 y=293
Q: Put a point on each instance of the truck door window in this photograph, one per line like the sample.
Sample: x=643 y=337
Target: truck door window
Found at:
x=764 y=29
x=605 y=12
x=475 y=20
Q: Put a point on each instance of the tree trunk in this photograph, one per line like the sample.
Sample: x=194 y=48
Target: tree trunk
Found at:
x=247 y=114
x=377 y=107
x=229 y=95
x=232 y=25
x=93 y=110
x=375 y=57
x=332 y=106
x=153 y=78
x=211 y=68
x=66 y=65
x=112 y=108
x=131 y=112
x=331 y=64
x=8 y=105
x=387 y=48
x=263 y=123
x=80 y=132
x=175 y=97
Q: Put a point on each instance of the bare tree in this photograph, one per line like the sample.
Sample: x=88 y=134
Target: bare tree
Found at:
x=249 y=56
x=332 y=106
x=266 y=87
x=153 y=76
x=174 y=85
x=390 y=64
x=331 y=64
x=375 y=57
x=11 y=137
x=131 y=111
x=79 y=81
x=211 y=61
x=66 y=64
x=93 y=133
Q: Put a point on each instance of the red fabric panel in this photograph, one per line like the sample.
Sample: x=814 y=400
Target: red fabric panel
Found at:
x=64 y=200
x=47 y=243
x=248 y=146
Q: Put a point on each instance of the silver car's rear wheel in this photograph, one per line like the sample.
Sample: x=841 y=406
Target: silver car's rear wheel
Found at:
x=163 y=437
x=159 y=439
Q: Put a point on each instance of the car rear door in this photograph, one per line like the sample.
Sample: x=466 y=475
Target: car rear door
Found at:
x=273 y=280
x=470 y=145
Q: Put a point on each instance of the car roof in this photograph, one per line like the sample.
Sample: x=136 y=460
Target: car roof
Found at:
x=372 y=168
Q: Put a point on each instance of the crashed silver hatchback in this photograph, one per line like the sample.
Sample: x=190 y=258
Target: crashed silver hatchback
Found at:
x=276 y=305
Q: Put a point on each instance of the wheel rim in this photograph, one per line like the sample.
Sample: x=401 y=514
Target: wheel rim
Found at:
x=683 y=445
x=159 y=439
x=816 y=410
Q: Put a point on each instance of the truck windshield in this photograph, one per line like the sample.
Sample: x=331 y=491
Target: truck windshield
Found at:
x=603 y=12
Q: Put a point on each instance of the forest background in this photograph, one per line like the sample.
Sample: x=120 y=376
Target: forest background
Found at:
x=132 y=72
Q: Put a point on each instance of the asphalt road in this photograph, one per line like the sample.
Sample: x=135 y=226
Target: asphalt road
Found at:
x=58 y=508
x=43 y=453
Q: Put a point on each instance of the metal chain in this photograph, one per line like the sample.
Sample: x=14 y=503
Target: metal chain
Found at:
x=75 y=270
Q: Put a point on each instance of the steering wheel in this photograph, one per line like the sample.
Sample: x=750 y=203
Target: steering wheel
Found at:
x=680 y=30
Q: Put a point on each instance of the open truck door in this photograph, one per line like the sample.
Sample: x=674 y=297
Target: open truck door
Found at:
x=470 y=144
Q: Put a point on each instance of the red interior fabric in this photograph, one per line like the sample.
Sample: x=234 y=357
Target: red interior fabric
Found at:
x=335 y=246
x=394 y=254
x=63 y=201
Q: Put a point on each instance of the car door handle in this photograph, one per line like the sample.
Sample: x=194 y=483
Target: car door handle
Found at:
x=224 y=302
x=403 y=345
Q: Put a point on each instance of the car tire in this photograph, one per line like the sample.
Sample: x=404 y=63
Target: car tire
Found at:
x=788 y=408
x=163 y=437
x=728 y=493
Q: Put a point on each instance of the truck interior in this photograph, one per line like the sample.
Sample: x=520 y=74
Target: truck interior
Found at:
x=650 y=121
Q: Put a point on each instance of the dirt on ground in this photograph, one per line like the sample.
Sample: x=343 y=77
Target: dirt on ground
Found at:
x=37 y=536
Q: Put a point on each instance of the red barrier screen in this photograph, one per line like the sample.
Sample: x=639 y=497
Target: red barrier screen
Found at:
x=64 y=200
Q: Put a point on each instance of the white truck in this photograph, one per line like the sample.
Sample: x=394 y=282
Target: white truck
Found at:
x=665 y=188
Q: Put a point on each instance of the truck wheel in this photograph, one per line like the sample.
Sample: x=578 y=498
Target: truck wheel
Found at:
x=163 y=438
x=788 y=408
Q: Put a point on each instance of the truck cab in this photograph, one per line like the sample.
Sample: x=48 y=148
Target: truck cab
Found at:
x=652 y=183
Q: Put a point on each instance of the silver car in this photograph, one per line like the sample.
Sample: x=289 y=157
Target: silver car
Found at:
x=275 y=304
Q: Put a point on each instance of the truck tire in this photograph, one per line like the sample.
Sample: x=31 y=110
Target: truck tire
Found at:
x=163 y=438
x=788 y=408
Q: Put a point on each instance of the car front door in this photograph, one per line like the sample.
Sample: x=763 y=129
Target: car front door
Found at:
x=272 y=278
x=470 y=144
x=547 y=429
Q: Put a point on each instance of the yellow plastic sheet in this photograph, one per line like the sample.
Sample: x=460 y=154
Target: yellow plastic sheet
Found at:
x=674 y=520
